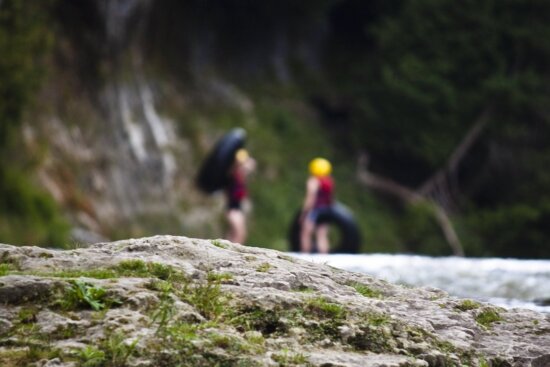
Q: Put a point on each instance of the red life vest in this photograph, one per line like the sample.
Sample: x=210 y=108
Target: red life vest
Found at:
x=325 y=193
x=236 y=190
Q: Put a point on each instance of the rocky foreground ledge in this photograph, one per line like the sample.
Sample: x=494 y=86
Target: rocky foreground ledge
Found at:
x=176 y=301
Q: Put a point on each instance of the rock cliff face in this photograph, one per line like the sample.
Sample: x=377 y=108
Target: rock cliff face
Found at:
x=176 y=301
x=119 y=130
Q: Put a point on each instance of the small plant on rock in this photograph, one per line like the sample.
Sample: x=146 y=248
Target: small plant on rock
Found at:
x=90 y=356
x=263 y=268
x=4 y=269
x=467 y=304
x=117 y=350
x=27 y=315
x=8 y=264
x=488 y=316
x=220 y=277
x=366 y=291
x=219 y=244
x=286 y=358
x=207 y=298
x=323 y=308
x=82 y=294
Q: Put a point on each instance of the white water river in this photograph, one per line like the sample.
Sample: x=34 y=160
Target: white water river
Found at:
x=504 y=282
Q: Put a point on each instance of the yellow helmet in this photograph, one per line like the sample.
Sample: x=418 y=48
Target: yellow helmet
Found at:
x=242 y=155
x=320 y=167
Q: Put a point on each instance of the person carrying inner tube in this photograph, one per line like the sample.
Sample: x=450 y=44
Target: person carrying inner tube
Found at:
x=236 y=193
x=318 y=200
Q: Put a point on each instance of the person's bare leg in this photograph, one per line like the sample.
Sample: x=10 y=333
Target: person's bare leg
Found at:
x=322 y=239
x=305 y=236
x=237 y=226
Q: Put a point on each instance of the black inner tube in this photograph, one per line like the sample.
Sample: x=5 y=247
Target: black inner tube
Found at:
x=214 y=172
x=342 y=218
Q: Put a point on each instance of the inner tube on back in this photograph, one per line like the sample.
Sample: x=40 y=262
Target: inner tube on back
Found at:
x=213 y=173
x=342 y=218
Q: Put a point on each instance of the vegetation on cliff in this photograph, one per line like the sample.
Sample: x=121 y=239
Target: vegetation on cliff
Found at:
x=27 y=213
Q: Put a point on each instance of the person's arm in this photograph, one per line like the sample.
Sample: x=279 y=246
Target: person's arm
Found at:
x=312 y=186
x=249 y=165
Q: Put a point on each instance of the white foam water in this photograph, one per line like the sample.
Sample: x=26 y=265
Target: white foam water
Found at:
x=504 y=282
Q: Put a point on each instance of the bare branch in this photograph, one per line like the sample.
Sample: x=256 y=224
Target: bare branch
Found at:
x=409 y=196
x=447 y=174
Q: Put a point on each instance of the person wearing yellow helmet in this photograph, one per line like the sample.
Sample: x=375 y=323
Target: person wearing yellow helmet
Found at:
x=236 y=193
x=318 y=200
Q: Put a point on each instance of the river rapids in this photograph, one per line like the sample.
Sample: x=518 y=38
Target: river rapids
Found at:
x=504 y=282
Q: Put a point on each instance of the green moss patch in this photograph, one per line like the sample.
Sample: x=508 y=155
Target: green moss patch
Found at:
x=487 y=317
x=366 y=291
x=467 y=305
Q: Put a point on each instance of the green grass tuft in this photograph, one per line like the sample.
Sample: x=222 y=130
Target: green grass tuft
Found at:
x=4 y=269
x=219 y=277
x=287 y=358
x=324 y=309
x=219 y=244
x=85 y=295
x=467 y=305
x=90 y=356
x=366 y=291
x=207 y=298
x=264 y=268
x=487 y=317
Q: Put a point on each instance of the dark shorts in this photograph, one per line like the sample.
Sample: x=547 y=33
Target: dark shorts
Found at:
x=234 y=204
x=315 y=213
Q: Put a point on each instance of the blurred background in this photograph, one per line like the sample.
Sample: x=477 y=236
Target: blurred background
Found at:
x=435 y=115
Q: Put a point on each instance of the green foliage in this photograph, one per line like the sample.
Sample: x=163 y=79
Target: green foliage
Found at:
x=255 y=339
x=27 y=356
x=403 y=80
x=4 y=269
x=226 y=342
x=507 y=226
x=207 y=298
x=488 y=316
x=426 y=84
x=467 y=304
x=419 y=228
x=219 y=244
x=24 y=39
x=118 y=349
x=125 y=268
x=325 y=309
x=366 y=291
x=483 y=363
x=27 y=214
x=263 y=268
x=82 y=294
x=101 y=273
x=287 y=358
x=165 y=310
x=90 y=356
x=219 y=277
x=22 y=207
x=140 y=268
x=428 y=63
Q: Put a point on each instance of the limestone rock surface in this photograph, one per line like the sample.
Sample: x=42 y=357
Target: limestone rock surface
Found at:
x=177 y=301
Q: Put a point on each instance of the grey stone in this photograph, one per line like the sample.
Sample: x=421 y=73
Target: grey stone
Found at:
x=308 y=311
